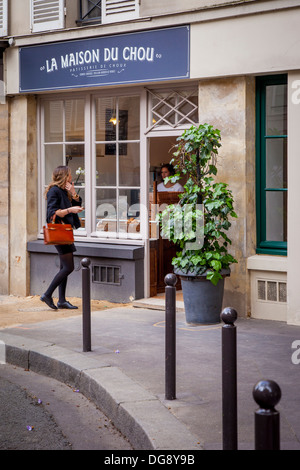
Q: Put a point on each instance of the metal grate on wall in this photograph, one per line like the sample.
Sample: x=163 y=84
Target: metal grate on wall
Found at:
x=106 y=274
x=271 y=291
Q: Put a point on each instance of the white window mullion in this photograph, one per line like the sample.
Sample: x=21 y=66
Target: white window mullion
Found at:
x=3 y=18
x=93 y=192
x=90 y=158
x=42 y=182
x=145 y=184
x=117 y=168
x=46 y=15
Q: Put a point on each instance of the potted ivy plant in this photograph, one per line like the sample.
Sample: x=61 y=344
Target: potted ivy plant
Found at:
x=203 y=214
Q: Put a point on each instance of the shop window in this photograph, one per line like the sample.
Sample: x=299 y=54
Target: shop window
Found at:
x=271 y=164
x=64 y=141
x=108 y=11
x=99 y=139
x=3 y=18
x=172 y=108
x=46 y=15
x=117 y=166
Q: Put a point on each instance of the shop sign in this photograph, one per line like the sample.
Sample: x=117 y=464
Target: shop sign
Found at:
x=128 y=58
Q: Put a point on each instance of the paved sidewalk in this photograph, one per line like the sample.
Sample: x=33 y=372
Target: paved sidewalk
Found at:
x=125 y=373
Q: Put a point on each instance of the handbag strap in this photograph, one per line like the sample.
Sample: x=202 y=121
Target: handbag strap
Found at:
x=53 y=220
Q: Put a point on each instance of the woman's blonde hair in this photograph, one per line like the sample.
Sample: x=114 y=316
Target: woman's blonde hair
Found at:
x=59 y=178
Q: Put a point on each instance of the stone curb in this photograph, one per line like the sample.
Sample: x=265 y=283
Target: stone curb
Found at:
x=139 y=415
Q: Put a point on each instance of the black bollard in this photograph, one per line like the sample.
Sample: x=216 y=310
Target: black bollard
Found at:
x=229 y=380
x=267 y=394
x=86 y=304
x=170 y=337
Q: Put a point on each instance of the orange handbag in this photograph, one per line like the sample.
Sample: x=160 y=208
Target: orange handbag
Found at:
x=58 y=234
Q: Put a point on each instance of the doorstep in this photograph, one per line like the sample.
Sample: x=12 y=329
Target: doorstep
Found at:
x=158 y=302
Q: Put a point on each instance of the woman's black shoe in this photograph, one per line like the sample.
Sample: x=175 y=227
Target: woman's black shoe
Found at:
x=66 y=304
x=48 y=301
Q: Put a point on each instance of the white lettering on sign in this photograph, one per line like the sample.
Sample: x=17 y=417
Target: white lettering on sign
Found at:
x=51 y=65
x=80 y=58
x=138 y=53
x=112 y=54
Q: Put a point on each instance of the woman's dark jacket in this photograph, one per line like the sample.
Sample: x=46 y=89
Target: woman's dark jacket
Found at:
x=57 y=198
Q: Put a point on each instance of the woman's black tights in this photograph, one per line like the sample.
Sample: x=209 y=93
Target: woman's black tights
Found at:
x=60 y=280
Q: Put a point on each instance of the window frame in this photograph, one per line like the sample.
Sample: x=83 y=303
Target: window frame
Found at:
x=89 y=232
x=84 y=18
x=265 y=246
x=112 y=11
x=118 y=235
x=182 y=96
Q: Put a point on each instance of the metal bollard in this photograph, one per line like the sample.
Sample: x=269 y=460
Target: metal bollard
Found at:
x=170 y=337
x=267 y=394
x=229 y=379
x=86 y=304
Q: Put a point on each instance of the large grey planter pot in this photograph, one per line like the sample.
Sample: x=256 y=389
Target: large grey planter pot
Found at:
x=202 y=300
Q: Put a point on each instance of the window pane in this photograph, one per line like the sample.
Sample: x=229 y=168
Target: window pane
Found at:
x=105 y=165
x=276 y=110
x=74 y=110
x=81 y=215
x=53 y=111
x=106 y=119
x=106 y=212
x=276 y=163
x=53 y=158
x=75 y=161
x=276 y=216
x=282 y=292
x=187 y=108
x=129 y=208
x=164 y=110
x=129 y=164
x=173 y=108
x=91 y=9
x=129 y=118
x=272 y=291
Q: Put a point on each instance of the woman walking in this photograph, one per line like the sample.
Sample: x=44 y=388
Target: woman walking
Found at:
x=65 y=204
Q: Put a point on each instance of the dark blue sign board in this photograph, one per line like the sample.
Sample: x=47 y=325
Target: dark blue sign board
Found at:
x=154 y=55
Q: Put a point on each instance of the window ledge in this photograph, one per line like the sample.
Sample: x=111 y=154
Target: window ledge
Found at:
x=129 y=252
x=89 y=22
x=267 y=263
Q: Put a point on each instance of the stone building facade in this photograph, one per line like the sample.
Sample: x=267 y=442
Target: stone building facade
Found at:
x=237 y=68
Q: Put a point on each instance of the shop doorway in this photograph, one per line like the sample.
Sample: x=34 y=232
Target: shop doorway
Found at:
x=161 y=250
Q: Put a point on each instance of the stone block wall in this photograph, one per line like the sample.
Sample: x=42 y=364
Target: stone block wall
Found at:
x=23 y=190
x=229 y=105
x=4 y=199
